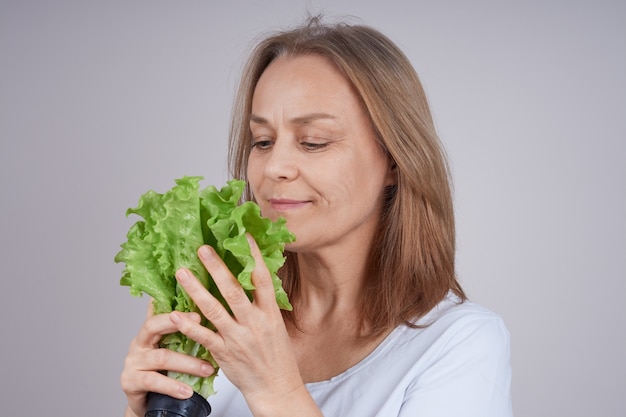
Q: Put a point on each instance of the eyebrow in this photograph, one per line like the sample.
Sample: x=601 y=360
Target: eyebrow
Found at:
x=300 y=120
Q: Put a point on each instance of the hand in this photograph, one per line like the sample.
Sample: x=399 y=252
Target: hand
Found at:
x=252 y=346
x=145 y=359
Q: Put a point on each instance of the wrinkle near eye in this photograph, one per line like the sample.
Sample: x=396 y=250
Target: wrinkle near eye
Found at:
x=313 y=145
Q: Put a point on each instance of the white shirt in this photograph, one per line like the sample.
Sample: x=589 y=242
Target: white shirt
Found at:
x=457 y=366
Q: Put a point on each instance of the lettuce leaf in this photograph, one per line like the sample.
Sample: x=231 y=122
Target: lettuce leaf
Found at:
x=175 y=224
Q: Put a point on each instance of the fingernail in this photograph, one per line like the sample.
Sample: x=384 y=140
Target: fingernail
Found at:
x=206 y=369
x=195 y=317
x=182 y=275
x=175 y=317
x=251 y=241
x=205 y=253
x=185 y=390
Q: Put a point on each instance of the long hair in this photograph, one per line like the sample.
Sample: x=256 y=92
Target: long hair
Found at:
x=412 y=262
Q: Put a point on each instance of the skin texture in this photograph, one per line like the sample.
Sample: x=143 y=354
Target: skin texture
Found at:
x=313 y=146
x=314 y=161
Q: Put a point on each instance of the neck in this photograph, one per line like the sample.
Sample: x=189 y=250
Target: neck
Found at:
x=330 y=284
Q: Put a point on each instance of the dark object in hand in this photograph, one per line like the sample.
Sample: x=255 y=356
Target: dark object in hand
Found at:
x=161 y=405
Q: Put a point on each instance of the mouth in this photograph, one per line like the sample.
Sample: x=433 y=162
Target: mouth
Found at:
x=285 y=204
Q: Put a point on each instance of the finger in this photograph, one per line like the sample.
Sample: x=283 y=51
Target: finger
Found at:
x=228 y=285
x=168 y=360
x=155 y=327
x=210 y=307
x=137 y=384
x=143 y=371
x=197 y=332
x=150 y=311
x=261 y=278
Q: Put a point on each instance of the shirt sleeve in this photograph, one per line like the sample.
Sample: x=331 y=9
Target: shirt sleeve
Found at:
x=469 y=376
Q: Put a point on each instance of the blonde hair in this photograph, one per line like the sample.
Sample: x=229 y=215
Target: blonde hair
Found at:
x=412 y=264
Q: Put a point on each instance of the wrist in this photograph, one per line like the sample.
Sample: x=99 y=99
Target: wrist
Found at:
x=297 y=403
x=129 y=412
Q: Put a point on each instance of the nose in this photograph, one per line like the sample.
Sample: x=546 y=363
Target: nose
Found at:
x=281 y=164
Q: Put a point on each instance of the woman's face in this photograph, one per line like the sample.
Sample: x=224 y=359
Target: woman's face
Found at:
x=314 y=158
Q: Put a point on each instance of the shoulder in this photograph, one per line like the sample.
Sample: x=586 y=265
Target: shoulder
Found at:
x=463 y=320
x=467 y=357
x=458 y=338
x=454 y=337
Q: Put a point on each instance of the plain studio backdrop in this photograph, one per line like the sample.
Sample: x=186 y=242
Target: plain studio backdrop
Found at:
x=101 y=101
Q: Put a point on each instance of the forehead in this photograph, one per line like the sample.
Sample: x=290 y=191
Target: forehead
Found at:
x=310 y=82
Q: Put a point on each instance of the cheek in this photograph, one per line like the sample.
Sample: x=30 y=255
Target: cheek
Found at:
x=370 y=179
x=254 y=182
x=332 y=178
x=361 y=171
x=254 y=174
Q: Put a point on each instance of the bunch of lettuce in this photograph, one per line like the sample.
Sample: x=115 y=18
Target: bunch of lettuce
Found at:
x=175 y=224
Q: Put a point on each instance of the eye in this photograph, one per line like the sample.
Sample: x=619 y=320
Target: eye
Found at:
x=311 y=146
x=261 y=143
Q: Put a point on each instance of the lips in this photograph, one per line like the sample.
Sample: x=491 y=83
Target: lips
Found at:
x=285 y=204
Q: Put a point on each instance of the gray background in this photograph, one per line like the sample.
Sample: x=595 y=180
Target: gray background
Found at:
x=101 y=101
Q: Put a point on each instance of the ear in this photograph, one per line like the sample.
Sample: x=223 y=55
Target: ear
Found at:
x=392 y=173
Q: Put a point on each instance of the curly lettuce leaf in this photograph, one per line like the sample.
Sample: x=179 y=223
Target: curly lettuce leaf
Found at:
x=175 y=224
x=167 y=239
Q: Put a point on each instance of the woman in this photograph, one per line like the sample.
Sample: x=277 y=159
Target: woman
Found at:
x=333 y=132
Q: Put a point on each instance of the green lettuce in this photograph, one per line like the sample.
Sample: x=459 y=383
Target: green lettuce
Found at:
x=175 y=224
